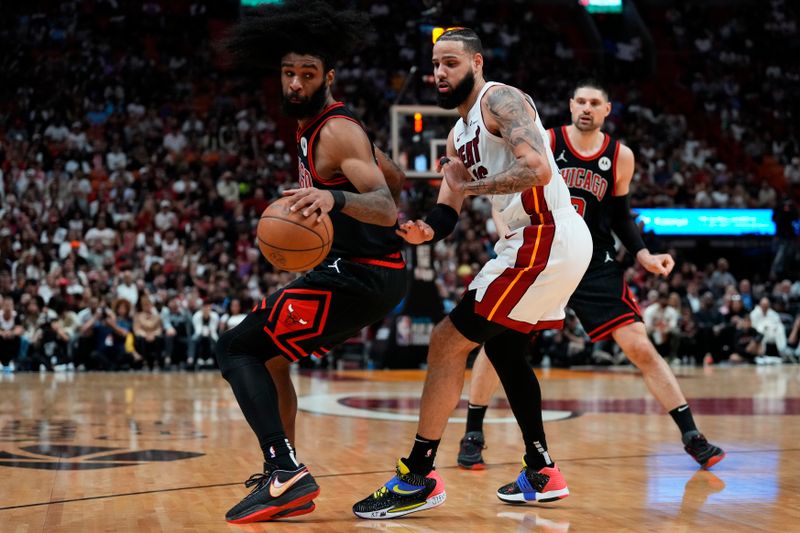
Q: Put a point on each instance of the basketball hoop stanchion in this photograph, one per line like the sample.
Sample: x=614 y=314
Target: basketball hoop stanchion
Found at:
x=436 y=145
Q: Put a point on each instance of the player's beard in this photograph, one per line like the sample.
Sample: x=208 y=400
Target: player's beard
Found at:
x=457 y=94
x=306 y=108
x=591 y=126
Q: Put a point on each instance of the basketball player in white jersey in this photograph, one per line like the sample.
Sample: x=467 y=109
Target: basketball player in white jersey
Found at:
x=499 y=148
x=598 y=171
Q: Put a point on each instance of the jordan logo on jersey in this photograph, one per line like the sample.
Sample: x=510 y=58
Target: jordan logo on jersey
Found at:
x=561 y=157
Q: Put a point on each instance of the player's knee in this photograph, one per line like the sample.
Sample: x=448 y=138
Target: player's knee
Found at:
x=640 y=350
x=222 y=351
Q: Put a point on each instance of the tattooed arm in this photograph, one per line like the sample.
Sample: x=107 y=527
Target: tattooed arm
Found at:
x=508 y=114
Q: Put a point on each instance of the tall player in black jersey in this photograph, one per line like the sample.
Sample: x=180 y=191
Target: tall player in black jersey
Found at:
x=598 y=171
x=363 y=277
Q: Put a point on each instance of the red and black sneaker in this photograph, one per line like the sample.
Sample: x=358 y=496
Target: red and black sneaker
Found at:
x=277 y=494
x=705 y=453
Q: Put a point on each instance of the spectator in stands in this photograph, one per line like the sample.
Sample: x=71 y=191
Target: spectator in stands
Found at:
x=721 y=278
x=121 y=324
x=178 y=331
x=11 y=331
x=234 y=315
x=768 y=323
x=661 y=321
x=148 y=333
x=37 y=332
x=65 y=328
x=128 y=288
x=747 y=345
x=205 y=322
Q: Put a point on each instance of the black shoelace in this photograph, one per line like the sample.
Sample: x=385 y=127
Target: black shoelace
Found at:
x=259 y=480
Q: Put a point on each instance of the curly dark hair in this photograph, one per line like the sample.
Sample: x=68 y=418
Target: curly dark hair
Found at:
x=267 y=33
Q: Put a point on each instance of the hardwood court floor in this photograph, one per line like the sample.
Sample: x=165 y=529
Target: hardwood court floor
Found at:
x=168 y=452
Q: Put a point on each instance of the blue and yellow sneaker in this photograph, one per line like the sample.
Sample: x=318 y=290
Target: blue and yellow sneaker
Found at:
x=546 y=485
x=405 y=493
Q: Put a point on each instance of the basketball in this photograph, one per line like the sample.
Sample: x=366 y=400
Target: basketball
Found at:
x=291 y=241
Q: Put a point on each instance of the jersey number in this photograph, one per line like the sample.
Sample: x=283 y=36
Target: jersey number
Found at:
x=579 y=204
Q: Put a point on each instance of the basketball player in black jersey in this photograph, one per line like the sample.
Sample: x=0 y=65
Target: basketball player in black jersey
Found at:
x=363 y=277
x=598 y=171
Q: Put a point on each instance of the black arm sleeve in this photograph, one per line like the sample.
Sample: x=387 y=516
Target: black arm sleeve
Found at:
x=623 y=225
x=443 y=220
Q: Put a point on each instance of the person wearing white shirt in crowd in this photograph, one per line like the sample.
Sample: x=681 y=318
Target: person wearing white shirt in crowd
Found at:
x=102 y=233
x=233 y=317
x=228 y=188
x=206 y=333
x=165 y=218
x=77 y=140
x=57 y=132
x=116 y=158
x=175 y=141
x=661 y=321
x=768 y=322
x=127 y=288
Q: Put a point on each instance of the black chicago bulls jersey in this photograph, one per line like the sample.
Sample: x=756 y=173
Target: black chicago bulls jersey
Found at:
x=591 y=184
x=351 y=238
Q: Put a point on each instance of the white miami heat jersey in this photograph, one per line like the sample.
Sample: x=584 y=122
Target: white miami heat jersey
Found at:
x=486 y=154
x=543 y=257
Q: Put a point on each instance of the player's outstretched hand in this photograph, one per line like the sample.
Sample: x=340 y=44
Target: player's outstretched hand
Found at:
x=455 y=174
x=657 y=264
x=415 y=231
x=311 y=200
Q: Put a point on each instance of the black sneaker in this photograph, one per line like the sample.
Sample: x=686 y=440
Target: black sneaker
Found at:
x=277 y=494
x=295 y=511
x=405 y=493
x=469 y=454
x=705 y=453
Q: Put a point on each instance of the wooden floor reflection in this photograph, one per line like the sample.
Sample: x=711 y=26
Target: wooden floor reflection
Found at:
x=169 y=452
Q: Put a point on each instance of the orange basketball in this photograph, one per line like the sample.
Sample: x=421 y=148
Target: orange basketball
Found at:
x=291 y=241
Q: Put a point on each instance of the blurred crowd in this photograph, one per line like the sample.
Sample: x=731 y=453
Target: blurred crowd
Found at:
x=133 y=170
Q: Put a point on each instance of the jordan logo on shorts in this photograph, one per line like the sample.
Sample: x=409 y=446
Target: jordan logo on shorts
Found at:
x=608 y=257
x=336 y=265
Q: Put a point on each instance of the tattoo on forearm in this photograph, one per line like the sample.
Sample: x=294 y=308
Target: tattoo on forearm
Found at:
x=370 y=207
x=517 y=177
x=508 y=107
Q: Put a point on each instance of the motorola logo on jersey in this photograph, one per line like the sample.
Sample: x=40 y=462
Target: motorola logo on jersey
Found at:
x=581 y=178
x=304 y=146
x=604 y=163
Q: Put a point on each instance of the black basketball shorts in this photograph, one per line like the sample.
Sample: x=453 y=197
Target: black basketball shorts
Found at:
x=603 y=301
x=321 y=309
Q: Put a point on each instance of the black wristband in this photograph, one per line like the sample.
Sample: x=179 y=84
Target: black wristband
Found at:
x=623 y=225
x=442 y=219
x=339 y=200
